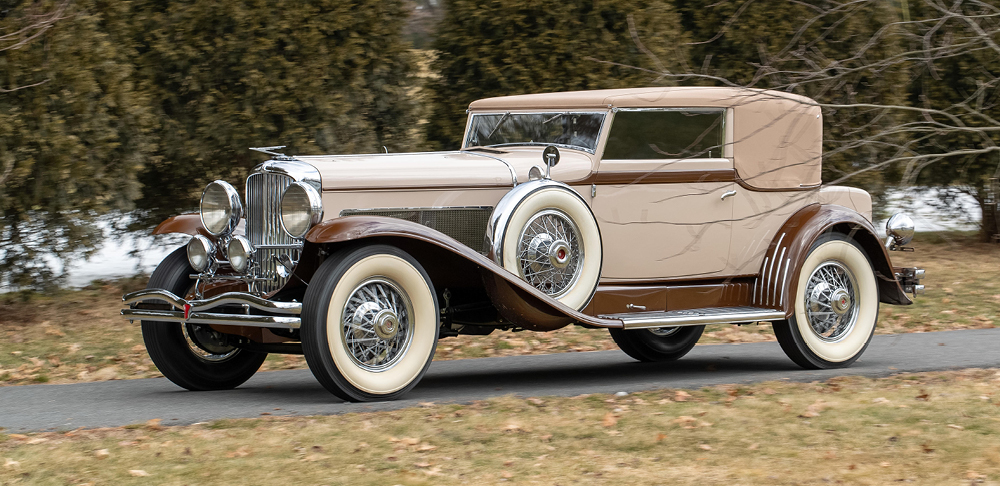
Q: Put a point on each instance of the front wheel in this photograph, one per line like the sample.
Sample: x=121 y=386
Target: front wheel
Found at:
x=369 y=323
x=836 y=306
x=659 y=344
x=193 y=356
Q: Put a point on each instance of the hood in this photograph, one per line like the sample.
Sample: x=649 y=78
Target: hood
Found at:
x=473 y=168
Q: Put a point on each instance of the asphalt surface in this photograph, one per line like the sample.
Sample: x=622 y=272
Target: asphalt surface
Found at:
x=296 y=392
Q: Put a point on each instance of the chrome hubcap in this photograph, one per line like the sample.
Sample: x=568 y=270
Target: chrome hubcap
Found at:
x=831 y=301
x=550 y=252
x=386 y=324
x=377 y=329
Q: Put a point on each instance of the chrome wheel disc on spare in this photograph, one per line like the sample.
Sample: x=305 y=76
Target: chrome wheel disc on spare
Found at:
x=377 y=328
x=550 y=252
x=831 y=301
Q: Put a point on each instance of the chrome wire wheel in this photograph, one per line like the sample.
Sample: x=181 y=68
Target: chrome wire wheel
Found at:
x=376 y=328
x=831 y=301
x=550 y=252
x=664 y=331
x=207 y=344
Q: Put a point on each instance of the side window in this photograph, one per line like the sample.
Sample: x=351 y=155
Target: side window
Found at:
x=666 y=134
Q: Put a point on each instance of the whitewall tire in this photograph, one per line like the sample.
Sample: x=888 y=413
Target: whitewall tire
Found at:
x=836 y=306
x=552 y=241
x=369 y=323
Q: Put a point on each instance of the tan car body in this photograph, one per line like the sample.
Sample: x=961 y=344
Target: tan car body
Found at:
x=699 y=249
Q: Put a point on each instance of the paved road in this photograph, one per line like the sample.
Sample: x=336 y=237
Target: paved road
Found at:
x=295 y=392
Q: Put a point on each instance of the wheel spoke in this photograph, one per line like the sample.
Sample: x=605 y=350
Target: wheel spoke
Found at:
x=370 y=337
x=534 y=261
x=830 y=301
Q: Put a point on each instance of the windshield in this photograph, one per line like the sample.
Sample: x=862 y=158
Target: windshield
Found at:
x=575 y=130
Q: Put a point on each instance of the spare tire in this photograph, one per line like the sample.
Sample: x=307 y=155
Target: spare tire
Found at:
x=545 y=233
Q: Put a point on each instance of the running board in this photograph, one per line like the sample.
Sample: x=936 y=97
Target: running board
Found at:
x=696 y=317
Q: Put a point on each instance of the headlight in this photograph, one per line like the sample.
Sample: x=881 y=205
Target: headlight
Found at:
x=220 y=208
x=301 y=208
x=900 y=229
x=200 y=251
x=239 y=253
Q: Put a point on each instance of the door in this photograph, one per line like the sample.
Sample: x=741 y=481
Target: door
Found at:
x=664 y=195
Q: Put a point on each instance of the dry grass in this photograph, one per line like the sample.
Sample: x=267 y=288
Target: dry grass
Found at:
x=74 y=336
x=929 y=428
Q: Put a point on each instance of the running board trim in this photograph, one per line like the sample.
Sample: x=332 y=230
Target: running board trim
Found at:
x=696 y=317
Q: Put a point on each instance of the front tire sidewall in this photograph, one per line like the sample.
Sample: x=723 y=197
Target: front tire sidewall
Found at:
x=825 y=354
x=322 y=321
x=551 y=198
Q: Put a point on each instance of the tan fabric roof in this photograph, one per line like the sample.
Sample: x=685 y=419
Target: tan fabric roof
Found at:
x=777 y=137
x=686 y=96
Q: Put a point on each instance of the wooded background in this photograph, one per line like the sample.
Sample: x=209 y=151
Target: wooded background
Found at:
x=133 y=106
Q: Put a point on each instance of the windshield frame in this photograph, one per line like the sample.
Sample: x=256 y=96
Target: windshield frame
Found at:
x=598 y=140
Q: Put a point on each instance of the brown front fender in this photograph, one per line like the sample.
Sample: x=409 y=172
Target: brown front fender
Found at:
x=518 y=302
x=188 y=223
x=779 y=274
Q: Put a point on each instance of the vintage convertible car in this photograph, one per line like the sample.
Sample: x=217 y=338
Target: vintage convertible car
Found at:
x=649 y=212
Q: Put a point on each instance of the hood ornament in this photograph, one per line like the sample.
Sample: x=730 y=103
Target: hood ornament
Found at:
x=271 y=151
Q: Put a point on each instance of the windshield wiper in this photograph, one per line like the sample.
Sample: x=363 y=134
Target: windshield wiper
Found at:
x=502 y=119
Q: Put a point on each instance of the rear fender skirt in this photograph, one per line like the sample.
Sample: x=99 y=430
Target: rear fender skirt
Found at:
x=518 y=302
x=779 y=273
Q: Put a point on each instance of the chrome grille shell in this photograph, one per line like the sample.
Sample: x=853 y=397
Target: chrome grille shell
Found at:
x=264 y=188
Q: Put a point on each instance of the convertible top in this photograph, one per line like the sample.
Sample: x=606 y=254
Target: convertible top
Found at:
x=776 y=137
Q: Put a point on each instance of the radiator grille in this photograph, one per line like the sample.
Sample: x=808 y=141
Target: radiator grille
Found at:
x=467 y=225
x=264 y=230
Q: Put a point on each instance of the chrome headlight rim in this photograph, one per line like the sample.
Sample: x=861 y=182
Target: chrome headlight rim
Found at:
x=230 y=198
x=240 y=252
x=900 y=228
x=313 y=208
x=201 y=253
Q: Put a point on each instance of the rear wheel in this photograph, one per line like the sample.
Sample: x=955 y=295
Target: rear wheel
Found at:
x=193 y=356
x=836 y=306
x=369 y=323
x=659 y=344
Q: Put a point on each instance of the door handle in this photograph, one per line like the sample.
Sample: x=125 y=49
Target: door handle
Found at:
x=727 y=194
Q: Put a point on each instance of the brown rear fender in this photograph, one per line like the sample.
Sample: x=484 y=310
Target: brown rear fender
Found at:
x=445 y=259
x=779 y=274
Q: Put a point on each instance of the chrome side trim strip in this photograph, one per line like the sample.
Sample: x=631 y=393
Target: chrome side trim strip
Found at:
x=788 y=263
x=777 y=289
x=210 y=318
x=696 y=317
x=763 y=281
x=239 y=298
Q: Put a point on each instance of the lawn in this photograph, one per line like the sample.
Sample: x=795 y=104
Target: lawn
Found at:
x=928 y=428
x=77 y=335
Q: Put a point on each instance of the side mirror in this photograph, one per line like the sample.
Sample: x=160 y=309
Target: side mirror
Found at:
x=551 y=157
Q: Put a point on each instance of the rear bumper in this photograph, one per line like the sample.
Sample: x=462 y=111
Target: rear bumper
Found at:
x=240 y=309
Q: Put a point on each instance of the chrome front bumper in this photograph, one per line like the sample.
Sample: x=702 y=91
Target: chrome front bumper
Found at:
x=272 y=314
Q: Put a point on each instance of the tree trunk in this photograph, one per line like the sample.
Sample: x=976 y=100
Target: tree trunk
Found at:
x=989 y=228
